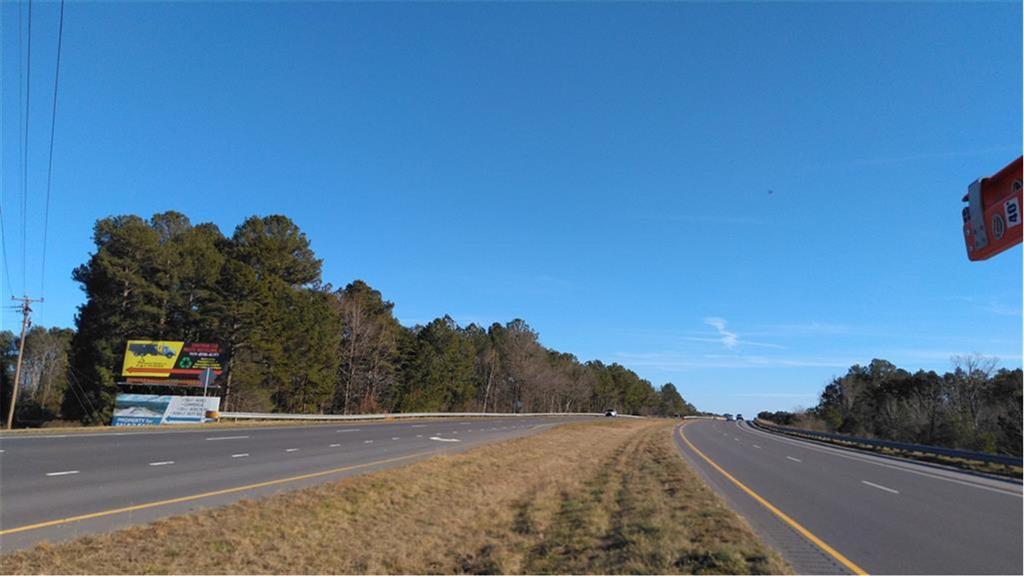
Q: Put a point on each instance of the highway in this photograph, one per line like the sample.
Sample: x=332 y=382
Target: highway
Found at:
x=59 y=486
x=847 y=511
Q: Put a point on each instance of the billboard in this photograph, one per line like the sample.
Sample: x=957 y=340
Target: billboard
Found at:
x=155 y=360
x=151 y=409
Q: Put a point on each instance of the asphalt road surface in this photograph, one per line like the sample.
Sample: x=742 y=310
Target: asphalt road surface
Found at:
x=58 y=486
x=876 y=514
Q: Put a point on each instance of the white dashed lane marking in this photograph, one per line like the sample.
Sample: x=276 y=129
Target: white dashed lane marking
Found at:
x=64 y=473
x=243 y=455
x=879 y=486
x=162 y=463
x=227 y=437
x=290 y=449
x=794 y=459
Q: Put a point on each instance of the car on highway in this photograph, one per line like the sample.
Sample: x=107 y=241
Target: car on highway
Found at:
x=611 y=413
x=739 y=416
x=729 y=417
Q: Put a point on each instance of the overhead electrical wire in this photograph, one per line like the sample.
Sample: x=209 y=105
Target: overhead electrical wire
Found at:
x=3 y=174
x=21 y=94
x=24 y=157
x=49 y=167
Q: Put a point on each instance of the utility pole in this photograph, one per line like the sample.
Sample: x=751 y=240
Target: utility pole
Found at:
x=26 y=309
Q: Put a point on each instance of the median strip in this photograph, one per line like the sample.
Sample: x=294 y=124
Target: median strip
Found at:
x=582 y=499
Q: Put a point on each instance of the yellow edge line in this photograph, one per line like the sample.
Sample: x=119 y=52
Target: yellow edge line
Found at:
x=782 y=515
x=205 y=494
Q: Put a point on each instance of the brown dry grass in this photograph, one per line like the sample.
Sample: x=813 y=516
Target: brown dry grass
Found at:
x=609 y=497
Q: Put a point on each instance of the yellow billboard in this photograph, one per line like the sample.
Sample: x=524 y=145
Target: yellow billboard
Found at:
x=150 y=358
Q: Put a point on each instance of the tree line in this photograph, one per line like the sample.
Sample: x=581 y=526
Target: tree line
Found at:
x=973 y=407
x=296 y=343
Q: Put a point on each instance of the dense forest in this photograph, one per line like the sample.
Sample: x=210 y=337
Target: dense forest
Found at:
x=296 y=343
x=973 y=407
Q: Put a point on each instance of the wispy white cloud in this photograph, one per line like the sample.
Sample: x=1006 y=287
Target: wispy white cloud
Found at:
x=803 y=329
x=673 y=361
x=727 y=338
x=999 y=309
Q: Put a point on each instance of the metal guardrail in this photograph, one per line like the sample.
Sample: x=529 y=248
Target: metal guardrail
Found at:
x=275 y=416
x=920 y=448
x=703 y=417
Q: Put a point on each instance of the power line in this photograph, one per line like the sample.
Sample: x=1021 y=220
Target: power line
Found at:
x=21 y=90
x=24 y=157
x=49 y=169
x=3 y=238
x=3 y=172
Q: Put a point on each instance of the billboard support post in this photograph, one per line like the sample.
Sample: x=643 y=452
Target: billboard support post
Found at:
x=207 y=377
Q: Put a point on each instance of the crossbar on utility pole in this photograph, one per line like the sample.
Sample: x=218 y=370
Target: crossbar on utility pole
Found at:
x=26 y=309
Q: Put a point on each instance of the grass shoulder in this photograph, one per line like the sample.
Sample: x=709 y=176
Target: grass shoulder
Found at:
x=599 y=497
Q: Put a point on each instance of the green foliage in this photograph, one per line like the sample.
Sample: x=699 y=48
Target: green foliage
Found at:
x=296 y=346
x=671 y=403
x=974 y=407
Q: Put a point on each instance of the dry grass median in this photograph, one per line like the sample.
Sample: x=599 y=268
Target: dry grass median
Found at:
x=608 y=497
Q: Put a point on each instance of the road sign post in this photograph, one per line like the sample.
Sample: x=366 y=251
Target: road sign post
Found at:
x=206 y=376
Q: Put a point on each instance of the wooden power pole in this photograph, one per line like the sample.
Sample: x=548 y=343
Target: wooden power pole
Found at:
x=26 y=309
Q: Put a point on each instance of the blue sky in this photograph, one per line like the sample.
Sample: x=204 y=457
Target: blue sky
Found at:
x=600 y=170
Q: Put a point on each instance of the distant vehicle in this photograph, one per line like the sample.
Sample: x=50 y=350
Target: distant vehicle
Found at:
x=739 y=416
x=610 y=413
x=729 y=417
